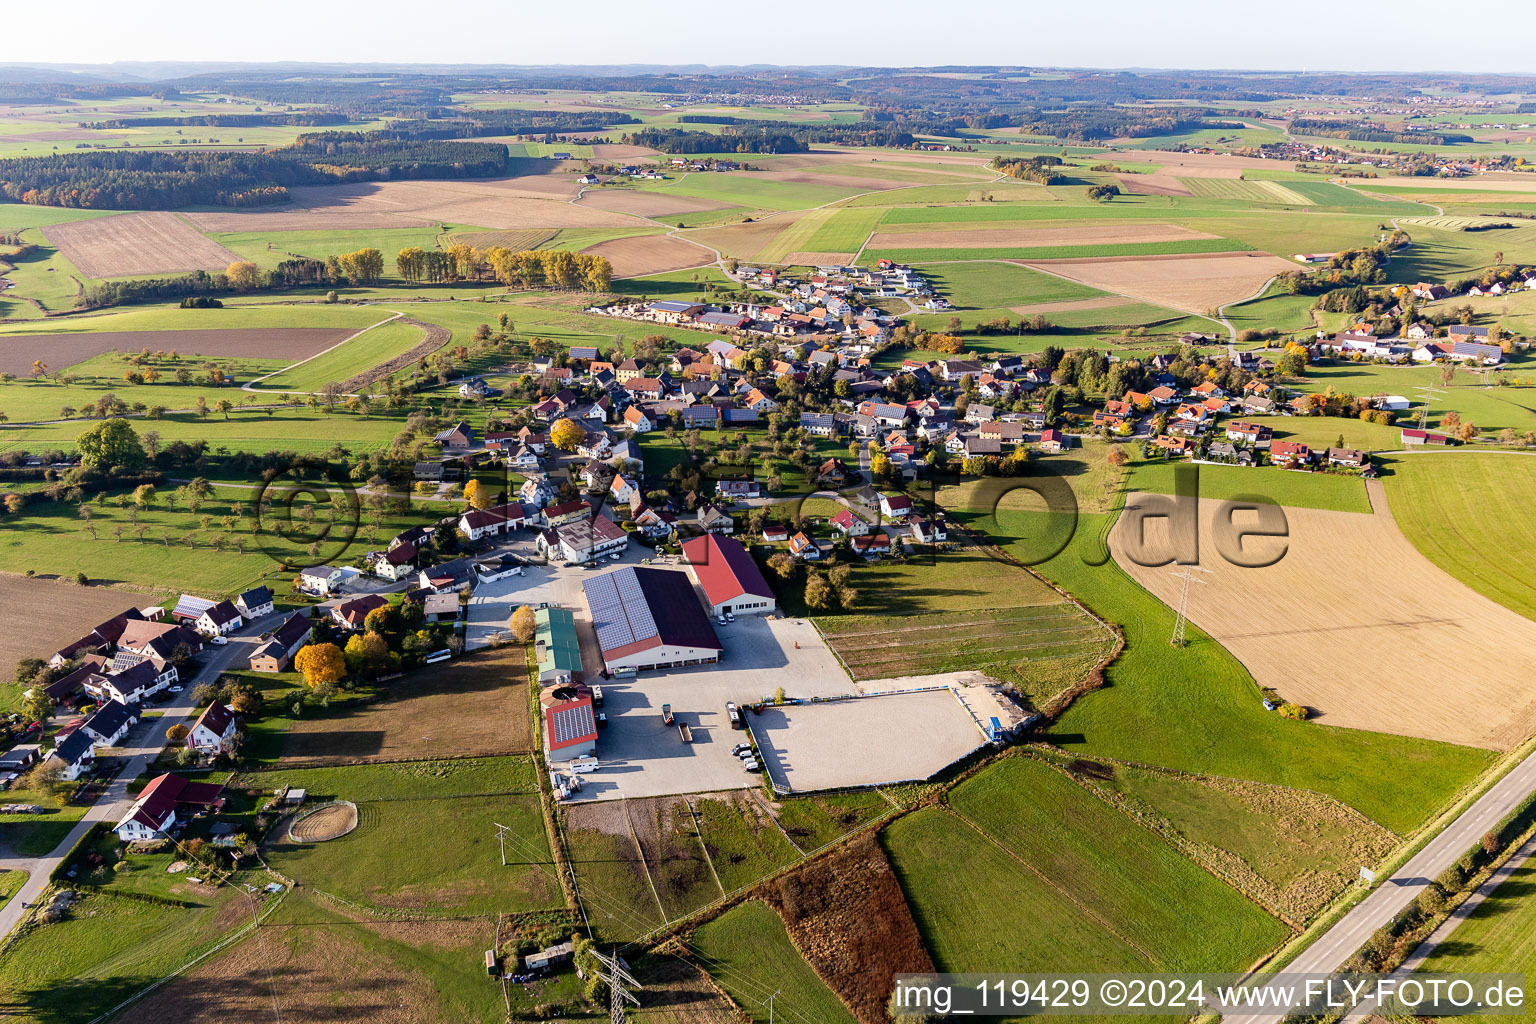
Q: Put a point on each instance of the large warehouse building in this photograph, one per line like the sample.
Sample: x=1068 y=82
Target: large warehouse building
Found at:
x=730 y=579
x=649 y=618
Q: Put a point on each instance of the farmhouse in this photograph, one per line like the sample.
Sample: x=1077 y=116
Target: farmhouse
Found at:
x=555 y=642
x=220 y=619
x=737 y=490
x=451 y=575
x=214 y=731
x=729 y=578
x=131 y=685
x=276 y=653
x=649 y=618
x=570 y=729
x=395 y=564
x=165 y=802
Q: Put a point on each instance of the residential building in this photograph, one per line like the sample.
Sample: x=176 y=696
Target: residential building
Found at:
x=214 y=731
x=255 y=603
x=166 y=802
x=276 y=652
x=111 y=722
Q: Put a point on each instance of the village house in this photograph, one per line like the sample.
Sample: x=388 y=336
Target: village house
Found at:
x=213 y=733
x=276 y=652
x=220 y=619
x=1052 y=441
x=76 y=753
x=895 y=506
x=459 y=437
x=1290 y=454
x=1351 y=458
x=582 y=540
x=802 y=547
x=318 y=580
x=1252 y=433
x=350 y=614
x=738 y=490
x=111 y=722
x=166 y=802
x=255 y=603
x=850 y=524
x=713 y=519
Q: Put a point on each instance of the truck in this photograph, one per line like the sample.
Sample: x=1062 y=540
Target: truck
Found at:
x=685 y=732
x=734 y=714
x=666 y=714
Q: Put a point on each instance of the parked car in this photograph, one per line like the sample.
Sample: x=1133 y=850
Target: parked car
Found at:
x=730 y=616
x=218 y=641
x=614 y=557
x=176 y=689
x=750 y=764
x=738 y=748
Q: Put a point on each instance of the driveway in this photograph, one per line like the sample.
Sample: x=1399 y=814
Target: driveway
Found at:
x=146 y=746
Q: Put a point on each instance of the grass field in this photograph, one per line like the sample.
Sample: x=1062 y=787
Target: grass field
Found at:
x=1338 y=492
x=1460 y=510
x=744 y=189
x=1059 y=252
x=10 y=884
x=234 y=315
x=748 y=952
x=43 y=398
x=267 y=249
x=105 y=949
x=1143 y=714
x=742 y=842
x=379 y=344
x=1133 y=893
x=988 y=285
x=163 y=547
x=426 y=837
x=1500 y=935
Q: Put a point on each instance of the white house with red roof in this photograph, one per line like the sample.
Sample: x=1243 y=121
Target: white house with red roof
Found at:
x=166 y=801
x=850 y=523
x=729 y=578
x=895 y=506
x=214 y=731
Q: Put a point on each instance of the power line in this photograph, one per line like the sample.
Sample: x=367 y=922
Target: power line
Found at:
x=1427 y=392
x=617 y=976
x=1188 y=576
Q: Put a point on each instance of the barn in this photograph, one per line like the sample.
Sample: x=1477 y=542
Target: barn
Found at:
x=649 y=618
x=730 y=579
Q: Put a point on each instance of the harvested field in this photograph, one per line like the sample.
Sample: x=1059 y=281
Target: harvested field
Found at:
x=322 y=824
x=17 y=351
x=815 y=259
x=1478 y=183
x=650 y=254
x=647 y=204
x=620 y=152
x=1397 y=660
x=744 y=241
x=1160 y=184
x=1246 y=191
x=1193 y=282
x=531 y=201
x=42 y=615
x=478 y=705
x=517 y=241
x=137 y=243
x=1208 y=165
x=1084 y=234
x=846 y=914
x=873 y=182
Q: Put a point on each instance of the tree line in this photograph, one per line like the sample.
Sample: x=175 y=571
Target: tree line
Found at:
x=160 y=180
x=1039 y=169
x=528 y=268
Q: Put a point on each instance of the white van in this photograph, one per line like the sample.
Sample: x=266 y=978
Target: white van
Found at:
x=584 y=764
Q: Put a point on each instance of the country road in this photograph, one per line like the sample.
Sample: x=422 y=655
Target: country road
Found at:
x=1394 y=894
x=115 y=801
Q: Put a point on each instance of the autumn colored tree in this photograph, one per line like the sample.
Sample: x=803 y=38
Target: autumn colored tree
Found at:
x=782 y=564
x=522 y=624
x=477 y=494
x=244 y=276
x=321 y=663
x=567 y=434
x=176 y=735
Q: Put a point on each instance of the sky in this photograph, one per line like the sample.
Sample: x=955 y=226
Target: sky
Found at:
x=1366 y=35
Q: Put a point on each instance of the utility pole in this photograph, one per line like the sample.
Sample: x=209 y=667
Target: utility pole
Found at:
x=1188 y=576
x=770 y=1005
x=616 y=976
x=501 y=837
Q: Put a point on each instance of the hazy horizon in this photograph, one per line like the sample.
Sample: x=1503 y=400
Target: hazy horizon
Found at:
x=1194 y=35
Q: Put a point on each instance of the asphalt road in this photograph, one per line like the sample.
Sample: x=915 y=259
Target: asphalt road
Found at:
x=1341 y=941
x=147 y=744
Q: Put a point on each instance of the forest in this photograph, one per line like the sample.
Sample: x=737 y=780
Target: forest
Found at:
x=164 y=180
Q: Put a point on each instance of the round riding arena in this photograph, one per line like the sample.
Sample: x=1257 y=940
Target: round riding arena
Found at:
x=328 y=821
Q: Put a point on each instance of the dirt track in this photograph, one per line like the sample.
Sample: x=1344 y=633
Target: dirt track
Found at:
x=1354 y=622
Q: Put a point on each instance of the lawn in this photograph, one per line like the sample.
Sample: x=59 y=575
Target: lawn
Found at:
x=1464 y=511
x=10 y=884
x=426 y=840
x=1196 y=708
x=749 y=953
x=43 y=275
x=33 y=835
x=364 y=351
x=1337 y=492
x=267 y=249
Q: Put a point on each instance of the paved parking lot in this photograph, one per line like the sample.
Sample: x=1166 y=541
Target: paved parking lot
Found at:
x=884 y=738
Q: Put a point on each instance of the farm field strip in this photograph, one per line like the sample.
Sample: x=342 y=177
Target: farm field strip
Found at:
x=137 y=243
x=983 y=236
x=1031 y=613
x=1182 y=246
